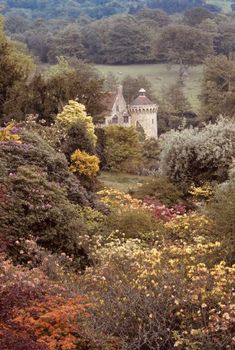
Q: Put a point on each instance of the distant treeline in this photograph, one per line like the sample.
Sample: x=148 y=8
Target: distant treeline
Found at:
x=126 y=33
x=95 y=9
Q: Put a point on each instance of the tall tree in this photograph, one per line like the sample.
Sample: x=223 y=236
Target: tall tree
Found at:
x=15 y=67
x=226 y=42
x=131 y=87
x=218 y=88
x=184 y=45
x=195 y=16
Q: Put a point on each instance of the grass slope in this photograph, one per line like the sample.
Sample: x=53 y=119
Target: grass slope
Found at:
x=119 y=181
x=161 y=76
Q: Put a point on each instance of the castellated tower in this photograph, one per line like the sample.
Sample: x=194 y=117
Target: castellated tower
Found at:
x=144 y=114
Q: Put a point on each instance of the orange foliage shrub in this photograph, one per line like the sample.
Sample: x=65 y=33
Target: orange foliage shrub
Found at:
x=57 y=322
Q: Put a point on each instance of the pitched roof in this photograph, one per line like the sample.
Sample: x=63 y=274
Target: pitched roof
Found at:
x=108 y=100
x=142 y=99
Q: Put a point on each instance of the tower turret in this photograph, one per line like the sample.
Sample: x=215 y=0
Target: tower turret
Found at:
x=144 y=112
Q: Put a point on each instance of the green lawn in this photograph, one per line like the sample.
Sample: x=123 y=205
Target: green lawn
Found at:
x=161 y=76
x=119 y=181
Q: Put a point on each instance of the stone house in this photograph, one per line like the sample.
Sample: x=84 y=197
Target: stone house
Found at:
x=141 y=113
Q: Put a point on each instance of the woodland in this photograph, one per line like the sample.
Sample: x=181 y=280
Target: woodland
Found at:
x=110 y=240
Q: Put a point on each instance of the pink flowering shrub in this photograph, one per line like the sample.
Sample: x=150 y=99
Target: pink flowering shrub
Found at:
x=162 y=212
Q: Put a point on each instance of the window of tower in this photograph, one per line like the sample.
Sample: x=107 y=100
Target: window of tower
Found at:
x=126 y=119
x=115 y=120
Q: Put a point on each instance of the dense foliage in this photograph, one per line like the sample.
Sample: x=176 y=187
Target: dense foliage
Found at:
x=122 y=149
x=196 y=156
x=127 y=32
x=93 y=8
x=84 y=266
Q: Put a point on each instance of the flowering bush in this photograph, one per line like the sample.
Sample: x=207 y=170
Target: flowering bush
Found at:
x=84 y=164
x=115 y=198
x=120 y=200
x=164 y=297
x=76 y=112
x=40 y=197
x=202 y=192
x=38 y=312
x=18 y=288
x=56 y=322
x=161 y=212
x=10 y=133
x=188 y=227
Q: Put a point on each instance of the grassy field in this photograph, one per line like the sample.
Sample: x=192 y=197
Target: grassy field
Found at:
x=225 y=5
x=119 y=181
x=161 y=76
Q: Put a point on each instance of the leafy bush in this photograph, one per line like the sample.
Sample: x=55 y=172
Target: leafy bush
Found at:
x=122 y=149
x=160 y=189
x=84 y=164
x=132 y=223
x=100 y=146
x=35 y=151
x=197 y=156
x=77 y=138
x=221 y=211
x=150 y=154
x=40 y=208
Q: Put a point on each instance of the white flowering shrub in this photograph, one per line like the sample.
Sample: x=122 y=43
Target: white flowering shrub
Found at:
x=199 y=155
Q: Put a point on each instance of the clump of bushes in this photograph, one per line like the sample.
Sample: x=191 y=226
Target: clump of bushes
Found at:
x=132 y=223
x=160 y=189
x=196 y=156
x=40 y=197
x=163 y=296
x=40 y=311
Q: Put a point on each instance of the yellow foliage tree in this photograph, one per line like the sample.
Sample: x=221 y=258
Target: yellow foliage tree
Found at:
x=76 y=112
x=84 y=164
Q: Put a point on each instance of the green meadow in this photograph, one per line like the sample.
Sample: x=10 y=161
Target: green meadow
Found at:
x=161 y=76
